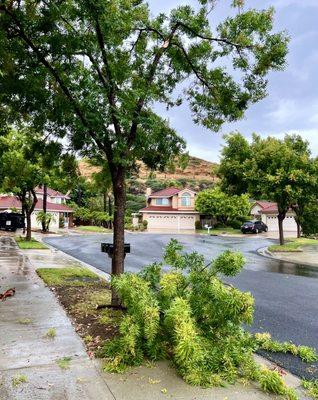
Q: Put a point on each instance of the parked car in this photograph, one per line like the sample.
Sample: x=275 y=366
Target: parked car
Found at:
x=254 y=227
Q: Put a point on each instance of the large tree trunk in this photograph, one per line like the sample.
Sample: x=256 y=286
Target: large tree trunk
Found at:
x=28 y=229
x=44 y=227
x=298 y=229
x=110 y=210
x=29 y=208
x=281 y=217
x=119 y=227
x=105 y=201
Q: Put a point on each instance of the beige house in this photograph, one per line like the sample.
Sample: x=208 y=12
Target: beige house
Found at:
x=56 y=206
x=267 y=211
x=170 y=210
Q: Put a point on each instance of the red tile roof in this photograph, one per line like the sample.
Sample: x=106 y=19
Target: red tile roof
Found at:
x=12 y=202
x=160 y=208
x=266 y=204
x=166 y=192
x=51 y=192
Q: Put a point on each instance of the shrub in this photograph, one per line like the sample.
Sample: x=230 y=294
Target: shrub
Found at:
x=45 y=218
x=198 y=225
x=192 y=318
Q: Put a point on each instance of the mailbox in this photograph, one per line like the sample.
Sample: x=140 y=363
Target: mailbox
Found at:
x=109 y=249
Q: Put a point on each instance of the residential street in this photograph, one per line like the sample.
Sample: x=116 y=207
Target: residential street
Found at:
x=285 y=293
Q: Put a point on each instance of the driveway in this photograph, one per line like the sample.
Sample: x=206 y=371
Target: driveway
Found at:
x=286 y=294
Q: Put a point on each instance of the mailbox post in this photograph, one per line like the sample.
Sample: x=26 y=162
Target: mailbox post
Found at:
x=109 y=249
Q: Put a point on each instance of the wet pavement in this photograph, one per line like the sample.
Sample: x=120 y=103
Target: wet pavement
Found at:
x=286 y=293
x=24 y=349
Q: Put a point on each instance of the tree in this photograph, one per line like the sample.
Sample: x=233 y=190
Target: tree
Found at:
x=93 y=70
x=232 y=169
x=223 y=207
x=274 y=169
x=309 y=220
x=18 y=174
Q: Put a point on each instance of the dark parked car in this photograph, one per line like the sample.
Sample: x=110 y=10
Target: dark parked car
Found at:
x=254 y=227
x=11 y=221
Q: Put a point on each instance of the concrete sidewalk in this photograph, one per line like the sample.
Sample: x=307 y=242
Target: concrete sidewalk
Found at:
x=23 y=350
x=24 y=321
x=308 y=255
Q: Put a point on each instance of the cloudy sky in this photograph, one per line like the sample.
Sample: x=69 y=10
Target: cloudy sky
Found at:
x=292 y=101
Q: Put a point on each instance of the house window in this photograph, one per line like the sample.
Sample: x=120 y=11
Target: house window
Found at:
x=186 y=200
x=162 y=202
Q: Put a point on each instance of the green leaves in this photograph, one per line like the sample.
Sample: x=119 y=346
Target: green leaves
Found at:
x=229 y=263
x=222 y=206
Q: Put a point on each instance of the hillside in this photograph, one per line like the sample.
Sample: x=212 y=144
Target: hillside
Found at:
x=197 y=170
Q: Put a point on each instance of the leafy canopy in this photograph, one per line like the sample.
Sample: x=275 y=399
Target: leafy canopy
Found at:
x=93 y=70
x=223 y=207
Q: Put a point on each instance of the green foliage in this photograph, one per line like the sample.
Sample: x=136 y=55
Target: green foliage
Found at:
x=307 y=354
x=72 y=276
x=192 y=318
x=311 y=388
x=223 y=207
x=280 y=170
x=272 y=382
x=229 y=263
x=45 y=218
x=309 y=220
x=97 y=218
x=29 y=244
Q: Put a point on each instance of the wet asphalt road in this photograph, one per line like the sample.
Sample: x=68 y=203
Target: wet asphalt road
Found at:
x=286 y=294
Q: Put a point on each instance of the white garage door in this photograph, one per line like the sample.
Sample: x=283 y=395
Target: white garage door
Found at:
x=162 y=222
x=272 y=223
x=289 y=224
x=170 y=222
x=186 y=222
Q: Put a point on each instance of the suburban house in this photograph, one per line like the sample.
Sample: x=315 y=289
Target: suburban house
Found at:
x=56 y=205
x=267 y=211
x=170 y=210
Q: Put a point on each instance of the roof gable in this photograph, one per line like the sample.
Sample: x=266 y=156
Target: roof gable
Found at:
x=168 y=192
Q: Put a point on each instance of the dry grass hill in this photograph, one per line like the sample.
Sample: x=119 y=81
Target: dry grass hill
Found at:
x=197 y=169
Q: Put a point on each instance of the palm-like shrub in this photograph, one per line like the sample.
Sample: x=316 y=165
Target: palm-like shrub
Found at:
x=191 y=317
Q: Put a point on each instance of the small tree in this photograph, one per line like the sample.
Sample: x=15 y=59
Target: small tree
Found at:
x=277 y=170
x=18 y=174
x=223 y=207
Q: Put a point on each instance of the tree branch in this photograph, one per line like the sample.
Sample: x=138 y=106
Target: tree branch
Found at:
x=149 y=79
x=42 y=59
x=110 y=85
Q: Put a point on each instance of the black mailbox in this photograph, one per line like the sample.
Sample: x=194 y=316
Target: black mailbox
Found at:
x=109 y=249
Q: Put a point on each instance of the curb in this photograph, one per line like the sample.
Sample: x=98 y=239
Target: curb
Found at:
x=101 y=274
x=264 y=252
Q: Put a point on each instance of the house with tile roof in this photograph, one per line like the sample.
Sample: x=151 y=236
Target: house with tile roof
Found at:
x=267 y=211
x=56 y=205
x=170 y=210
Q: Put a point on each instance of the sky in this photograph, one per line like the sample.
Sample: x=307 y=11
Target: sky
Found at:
x=292 y=102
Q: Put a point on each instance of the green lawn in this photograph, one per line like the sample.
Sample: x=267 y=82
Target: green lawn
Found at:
x=29 y=244
x=71 y=276
x=218 y=231
x=293 y=245
x=91 y=228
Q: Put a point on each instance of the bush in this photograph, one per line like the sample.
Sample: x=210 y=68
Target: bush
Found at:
x=192 y=318
x=145 y=223
x=198 y=225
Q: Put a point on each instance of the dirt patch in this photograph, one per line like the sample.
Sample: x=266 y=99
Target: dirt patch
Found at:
x=94 y=325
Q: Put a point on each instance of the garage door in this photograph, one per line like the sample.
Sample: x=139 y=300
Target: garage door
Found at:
x=272 y=223
x=187 y=222
x=171 y=222
x=289 y=224
x=162 y=222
